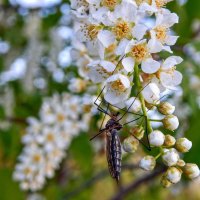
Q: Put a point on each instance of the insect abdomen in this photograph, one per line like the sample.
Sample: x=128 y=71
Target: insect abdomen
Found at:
x=113 y=151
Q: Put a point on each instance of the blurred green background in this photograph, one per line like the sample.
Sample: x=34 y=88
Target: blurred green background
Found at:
x=34 y=37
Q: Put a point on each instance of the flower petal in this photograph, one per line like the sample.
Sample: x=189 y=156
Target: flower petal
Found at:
x=120 y=50
x=171 y=81
x=151 y=93
x=106 y=38
x=128 y=64
x=155 y=46
x=171 y=62
x=139 y=31
x=150 y=66
x=171 y=40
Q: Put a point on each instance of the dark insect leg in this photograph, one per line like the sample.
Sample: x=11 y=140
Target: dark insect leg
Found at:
x=99 y=108
x=147 y=134
x=148 y=147
x=102 y=130
x=157 y=101
x=95 y=102
x=104 y=116
x=122 y=109
x=134 y=100
x=132 y=121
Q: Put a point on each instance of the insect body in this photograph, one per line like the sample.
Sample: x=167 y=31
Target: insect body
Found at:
x=113 y=148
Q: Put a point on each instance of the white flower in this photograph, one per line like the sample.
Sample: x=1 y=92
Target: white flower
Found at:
x=173 y=175
x=166 y=108
x=183 y=145
x=170 y=122
x=139 y=52
x=151 y=93
x=100 y=70
x=156 y=138
x=81 y=7
x=152 y=6
x=130 y=144
x=168 y=74
x=47 y=138
x=133 y=104
x=191 y=170
x=148 y=163
x=118 y=88
x=170 y=157
x=77 y=85
x=160 y=33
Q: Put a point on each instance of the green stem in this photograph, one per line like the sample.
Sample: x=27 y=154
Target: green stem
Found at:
x=158 y=155
x=139 y=87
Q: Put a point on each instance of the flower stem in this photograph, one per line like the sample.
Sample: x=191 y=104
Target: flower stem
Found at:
x=141 y=98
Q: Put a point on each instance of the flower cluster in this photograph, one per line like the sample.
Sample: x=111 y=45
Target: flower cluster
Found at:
x=124 y=34
x=121 y=44
x=61 y=118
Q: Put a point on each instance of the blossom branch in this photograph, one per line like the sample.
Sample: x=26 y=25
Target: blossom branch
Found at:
x=134 y=185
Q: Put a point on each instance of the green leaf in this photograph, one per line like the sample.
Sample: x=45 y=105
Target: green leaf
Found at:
x=8 y=188
x=82 y=152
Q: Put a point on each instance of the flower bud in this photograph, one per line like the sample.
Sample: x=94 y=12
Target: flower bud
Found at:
x=165 y=183
x=170 y=122
x=191 y=170
x=173 y=175
x=169 y=141
x=148 y=163
x=156 y=138
x=130 y=144
x=170 y=157
x=166 y=108
x=183 y=145
x=138 y=132
x=134 y=104
x=181 y=163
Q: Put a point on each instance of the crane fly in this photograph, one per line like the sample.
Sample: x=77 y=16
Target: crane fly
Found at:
x=112 y=127
x=113 y=143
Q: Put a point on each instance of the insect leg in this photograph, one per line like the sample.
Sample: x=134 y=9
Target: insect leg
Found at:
x=147 y=134
x=99 y=108
x=132 y=121
x=104 y=116
x=100 y=132
x=148 y=147
x=157 y=101
x=133 y=101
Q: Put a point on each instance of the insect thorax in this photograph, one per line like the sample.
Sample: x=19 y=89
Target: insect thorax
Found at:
x=113 y=124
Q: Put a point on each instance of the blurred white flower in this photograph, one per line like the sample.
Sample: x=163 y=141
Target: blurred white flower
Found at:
x=183 y=145
x=173 y=175
x=170 y=122
x=148 y=163
x=46 y=139
x=191 y=170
